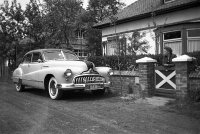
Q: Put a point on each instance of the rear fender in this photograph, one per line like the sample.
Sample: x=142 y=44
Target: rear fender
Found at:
x=17 y=74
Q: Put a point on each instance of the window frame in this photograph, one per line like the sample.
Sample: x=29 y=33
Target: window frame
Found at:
x=40 y=55
x=191 y=38
x=172 y=40
x=79 y=34
x=25 y=56
x=81 y=53
x=175 y=39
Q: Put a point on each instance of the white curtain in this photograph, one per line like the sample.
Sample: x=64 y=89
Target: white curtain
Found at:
x=111 y=48
x=176 y=46
x=193 y=45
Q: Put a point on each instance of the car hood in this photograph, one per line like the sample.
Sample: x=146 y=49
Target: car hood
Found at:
x=68 y=64
x=86 y=67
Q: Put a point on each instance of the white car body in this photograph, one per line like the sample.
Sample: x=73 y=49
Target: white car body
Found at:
x=67 y=71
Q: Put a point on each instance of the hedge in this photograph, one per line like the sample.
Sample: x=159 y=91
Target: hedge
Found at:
x=128 y=62
x=195 y=55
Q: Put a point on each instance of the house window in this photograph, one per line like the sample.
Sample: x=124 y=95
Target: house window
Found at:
x=167 y=1
x=112 y=45
x=79 y=34
x=172 y=35
x=80 y=53
x=173 y=39
x=193 y=38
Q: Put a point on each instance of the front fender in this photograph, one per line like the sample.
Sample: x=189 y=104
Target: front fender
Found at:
x=104 y=71
x=58 y=73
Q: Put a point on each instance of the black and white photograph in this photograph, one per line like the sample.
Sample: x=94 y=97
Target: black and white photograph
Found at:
x=99 y=66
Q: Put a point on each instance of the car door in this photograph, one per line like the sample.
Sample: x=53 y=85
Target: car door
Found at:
x=25 y=68
x=35 y=69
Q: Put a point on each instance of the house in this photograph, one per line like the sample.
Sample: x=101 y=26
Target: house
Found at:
x=79 y=44
x=173 y=23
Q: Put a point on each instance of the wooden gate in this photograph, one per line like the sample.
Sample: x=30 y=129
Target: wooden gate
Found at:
x=165 y=81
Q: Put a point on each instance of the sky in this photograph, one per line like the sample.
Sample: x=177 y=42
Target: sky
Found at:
x=85 y=2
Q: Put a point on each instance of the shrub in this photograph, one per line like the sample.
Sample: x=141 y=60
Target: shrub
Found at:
x=196 y=55
x=195 y=64
x=128 y=62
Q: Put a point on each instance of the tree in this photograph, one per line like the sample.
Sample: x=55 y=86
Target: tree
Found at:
x=97 y=11
x=59 y=21
x=35 y=36
x=101 y=9
x=137 y=44
x=12 y=30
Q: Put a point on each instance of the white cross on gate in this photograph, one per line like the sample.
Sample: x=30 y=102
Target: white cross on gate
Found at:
x=166 y=79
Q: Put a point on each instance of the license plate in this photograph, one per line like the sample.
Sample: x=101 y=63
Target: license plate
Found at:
x=94 y=87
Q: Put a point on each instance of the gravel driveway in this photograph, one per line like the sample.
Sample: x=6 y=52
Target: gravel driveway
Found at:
x=33 y=112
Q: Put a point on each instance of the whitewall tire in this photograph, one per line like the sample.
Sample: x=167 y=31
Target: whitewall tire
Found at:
x=54 y=92
x=19 y=87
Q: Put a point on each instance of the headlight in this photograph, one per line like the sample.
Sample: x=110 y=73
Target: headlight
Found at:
x=68 y=73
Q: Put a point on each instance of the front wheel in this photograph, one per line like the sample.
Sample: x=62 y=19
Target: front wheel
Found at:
x=19 y=87
x=54 y=92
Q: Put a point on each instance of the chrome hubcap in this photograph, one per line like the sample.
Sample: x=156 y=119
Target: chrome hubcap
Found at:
x=18 y=85
x=53 y=88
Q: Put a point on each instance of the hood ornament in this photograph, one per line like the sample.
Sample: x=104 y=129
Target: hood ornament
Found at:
x=90 y=71
x=90 y=67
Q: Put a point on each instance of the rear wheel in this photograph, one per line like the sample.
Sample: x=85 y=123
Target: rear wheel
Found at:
x=54 y=92
x=19 y=87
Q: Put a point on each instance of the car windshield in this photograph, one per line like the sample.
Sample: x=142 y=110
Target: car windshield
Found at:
x=58 y=55
x=53 y=55
x=70 y=56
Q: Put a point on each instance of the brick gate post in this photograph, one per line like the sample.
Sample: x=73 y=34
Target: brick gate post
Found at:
x=182 y=66
x=146 y=74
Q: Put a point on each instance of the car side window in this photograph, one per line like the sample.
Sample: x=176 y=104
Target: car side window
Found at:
x=27 y=58
x=36 y=57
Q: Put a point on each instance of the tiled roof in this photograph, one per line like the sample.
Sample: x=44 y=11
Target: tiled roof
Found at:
x=144 y=7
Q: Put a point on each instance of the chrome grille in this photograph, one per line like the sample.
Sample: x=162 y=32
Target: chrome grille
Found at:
x=88 y=79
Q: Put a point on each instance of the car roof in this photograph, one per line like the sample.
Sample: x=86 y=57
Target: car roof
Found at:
x=47 y=49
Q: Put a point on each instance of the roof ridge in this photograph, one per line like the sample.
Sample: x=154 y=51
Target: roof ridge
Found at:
x=142 y=7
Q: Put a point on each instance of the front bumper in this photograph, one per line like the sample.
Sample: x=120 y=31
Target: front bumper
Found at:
x=72 y=86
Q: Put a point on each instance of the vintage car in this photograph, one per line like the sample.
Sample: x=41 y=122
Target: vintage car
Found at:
x=56 y=70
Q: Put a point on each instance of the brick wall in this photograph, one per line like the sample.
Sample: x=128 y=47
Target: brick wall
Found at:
x=194 y=80
x=194 y=84
x=146 y=73
x=120 y=81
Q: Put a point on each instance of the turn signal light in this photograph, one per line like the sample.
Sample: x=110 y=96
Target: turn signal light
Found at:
x=110 y=72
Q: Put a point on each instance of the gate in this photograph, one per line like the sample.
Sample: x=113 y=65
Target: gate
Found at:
x=165 y=81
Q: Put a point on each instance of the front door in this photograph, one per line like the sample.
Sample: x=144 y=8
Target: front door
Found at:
x=25 y=68
x=35 y=69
